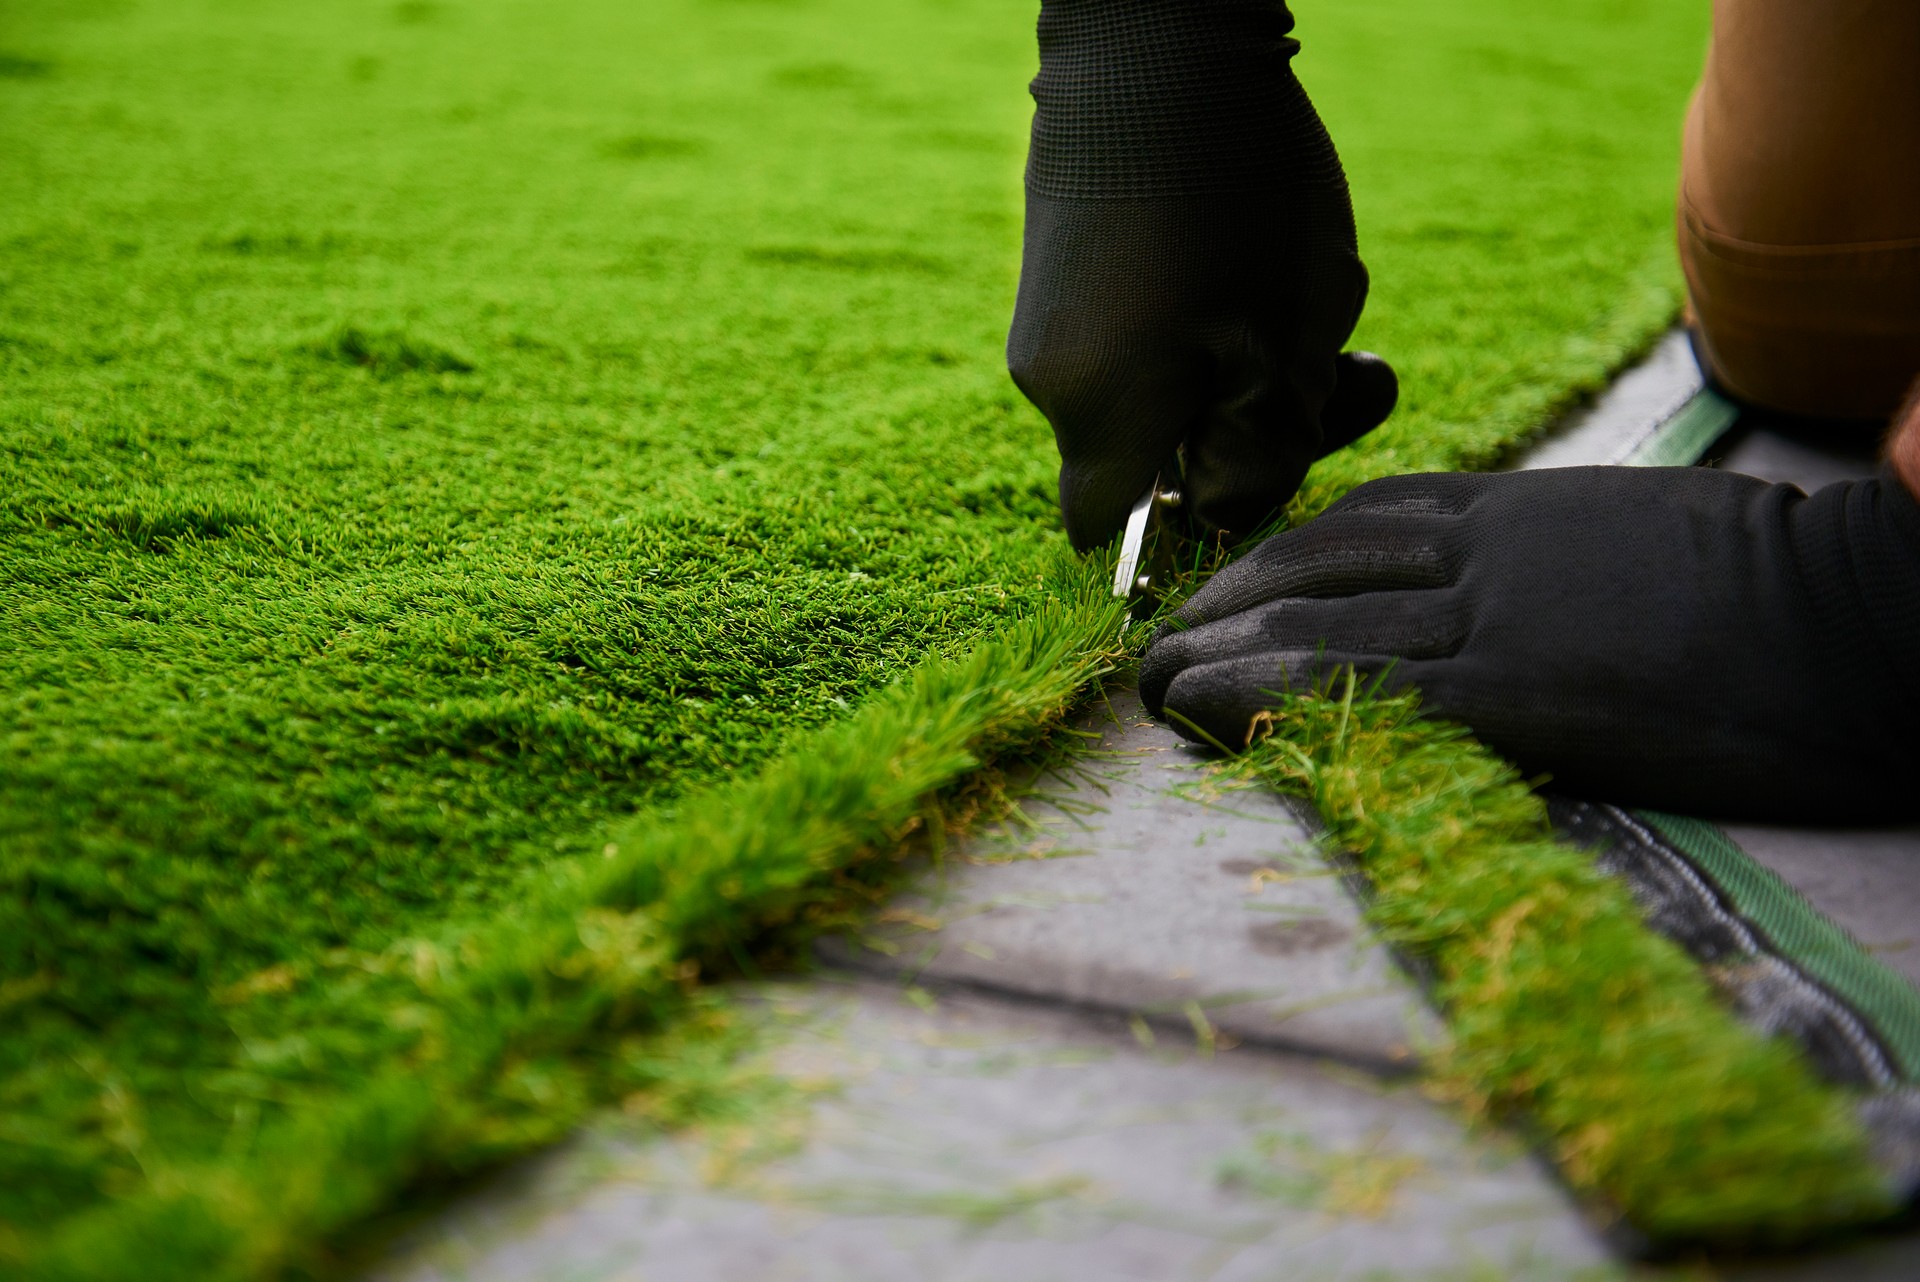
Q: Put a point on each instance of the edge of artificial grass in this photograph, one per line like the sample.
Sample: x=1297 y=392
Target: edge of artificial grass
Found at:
x=1565 y=1011
x=514 y=1023
x=1800 y=934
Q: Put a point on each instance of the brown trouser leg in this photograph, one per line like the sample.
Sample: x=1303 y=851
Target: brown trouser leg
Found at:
x=1799 y=213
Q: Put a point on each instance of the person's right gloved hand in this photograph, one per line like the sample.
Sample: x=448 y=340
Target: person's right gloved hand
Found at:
x=1671 y=637
x=1190 y=272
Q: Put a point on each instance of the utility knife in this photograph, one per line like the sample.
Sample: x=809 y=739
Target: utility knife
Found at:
x=1149 y=546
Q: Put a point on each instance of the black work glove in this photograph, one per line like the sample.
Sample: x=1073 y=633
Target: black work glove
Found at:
x=1677 y=638
x=1190 y=273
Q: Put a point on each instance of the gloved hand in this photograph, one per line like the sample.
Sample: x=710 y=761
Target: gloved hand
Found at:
x=1189 y=273
x=1678 y=638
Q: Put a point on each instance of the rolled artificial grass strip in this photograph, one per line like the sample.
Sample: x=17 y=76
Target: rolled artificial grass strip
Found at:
x=512 y=1025
x=1684 y=898
x=1791 y=928
x=1566 y=1013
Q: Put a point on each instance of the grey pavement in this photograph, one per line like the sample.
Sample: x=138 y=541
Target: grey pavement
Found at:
x=1132 y=883
x=1775 y=455
x=967 y=1139
x=1866 y=879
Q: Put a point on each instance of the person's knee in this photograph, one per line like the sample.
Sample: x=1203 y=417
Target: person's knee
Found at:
x=1799 y=217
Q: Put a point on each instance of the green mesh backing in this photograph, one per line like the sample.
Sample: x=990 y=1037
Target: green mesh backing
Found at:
x=1798 y=933
x=1689 y=434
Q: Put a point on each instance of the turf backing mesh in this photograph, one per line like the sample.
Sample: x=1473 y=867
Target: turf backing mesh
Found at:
x=1688 y=435
x=1797 y=932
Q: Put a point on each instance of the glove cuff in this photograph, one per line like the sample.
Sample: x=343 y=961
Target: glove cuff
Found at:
x=1861 y=553
x=1143 y=98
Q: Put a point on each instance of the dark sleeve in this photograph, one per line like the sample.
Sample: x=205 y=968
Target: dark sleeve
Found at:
x=1171 y=97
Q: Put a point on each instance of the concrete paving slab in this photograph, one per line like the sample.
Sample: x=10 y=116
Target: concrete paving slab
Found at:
x=1866 y=879
x=1132 y=884
x=976 y=1140
x=1804 y=458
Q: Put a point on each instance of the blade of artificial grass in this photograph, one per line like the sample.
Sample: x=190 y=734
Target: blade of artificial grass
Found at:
x=491 y=1031
x=1565 y=1011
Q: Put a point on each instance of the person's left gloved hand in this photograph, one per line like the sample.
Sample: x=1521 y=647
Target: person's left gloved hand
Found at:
x=1671 y=637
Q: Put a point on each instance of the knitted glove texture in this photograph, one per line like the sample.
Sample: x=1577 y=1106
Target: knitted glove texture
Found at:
x=1682 y=638
x=1189 y=272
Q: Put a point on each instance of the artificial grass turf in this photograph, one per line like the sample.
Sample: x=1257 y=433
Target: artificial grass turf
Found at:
x=509 y=1027
x=434 y=432
x=1563 y=1010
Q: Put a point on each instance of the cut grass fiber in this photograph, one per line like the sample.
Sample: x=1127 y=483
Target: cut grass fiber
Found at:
x=433 y=435
x=1564 y=1011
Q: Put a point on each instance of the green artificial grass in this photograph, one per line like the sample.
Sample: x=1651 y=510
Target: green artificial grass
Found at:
x=1564 y=1012
x=444 y=1052
x=433 y=435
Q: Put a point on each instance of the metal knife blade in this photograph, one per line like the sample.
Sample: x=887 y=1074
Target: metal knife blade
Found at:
x=1127 y=572
x=1147 y=548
